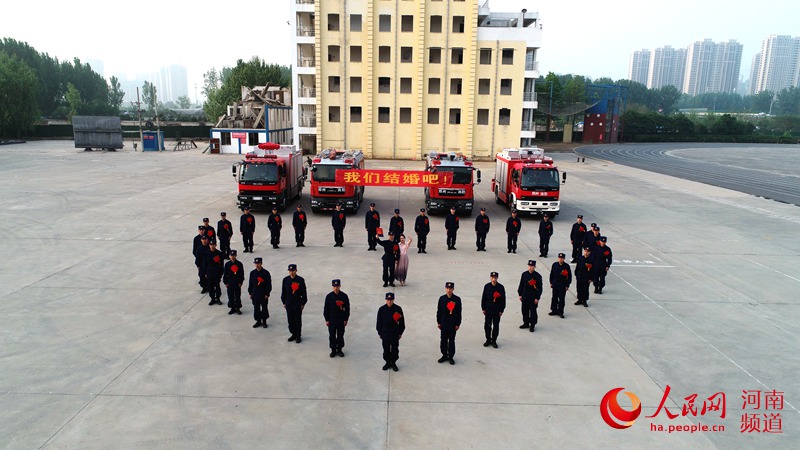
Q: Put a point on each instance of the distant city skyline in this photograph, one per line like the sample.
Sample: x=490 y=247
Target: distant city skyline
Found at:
x=578 y=37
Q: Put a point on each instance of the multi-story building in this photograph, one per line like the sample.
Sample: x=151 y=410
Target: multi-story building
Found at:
x=398 y=79
x=639 y=66
x=667 y=67
x=779 y=65
x=712 y=67
x=755 y=67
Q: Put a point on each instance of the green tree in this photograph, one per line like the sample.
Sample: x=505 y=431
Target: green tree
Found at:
x=74 y=101
x=184 y=102
x=760 y=102
x=18 y=89
x=149 y=97
x=667 y=97
x=225 y=87
x=115 y=96
x=788 y=101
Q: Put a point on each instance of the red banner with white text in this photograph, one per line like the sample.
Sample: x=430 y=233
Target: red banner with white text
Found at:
x=399 y=178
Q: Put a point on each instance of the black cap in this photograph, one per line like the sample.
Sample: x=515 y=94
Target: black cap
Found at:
x=338 y=203
x=390 y=233
x=580 y=216
x=396 y=211
x=561 y=255
x=450 y=285
x=422 y=210
x=247 y=208
x=336 y=282
x=372 y=204
x=587 y=249
x=532 y=262
x=603 y=239
x=593 y=225
x=597 y=229
x=223 y=213
x=513 y=211
x=200 y=227
x=257 y=261
x=299 y=205
x=483 y=209
x=232 y=252
x=390 y=296
x=292 y=266
x=546 y=216
x=274 y=208
x=203 y=237
x=453 y=207
x=212 y=242
x=494 y=274
x=205 y=219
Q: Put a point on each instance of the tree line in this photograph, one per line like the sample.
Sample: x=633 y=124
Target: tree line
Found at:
x=224 y=87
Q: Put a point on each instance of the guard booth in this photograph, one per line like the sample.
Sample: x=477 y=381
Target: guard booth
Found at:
x=213 y=146
x=152 y=141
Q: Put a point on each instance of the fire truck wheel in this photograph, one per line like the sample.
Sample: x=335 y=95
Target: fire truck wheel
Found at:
x=497 y=197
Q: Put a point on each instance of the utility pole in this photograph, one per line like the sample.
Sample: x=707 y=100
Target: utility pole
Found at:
x=549 y=113
x=139 y=116
x=159 y=143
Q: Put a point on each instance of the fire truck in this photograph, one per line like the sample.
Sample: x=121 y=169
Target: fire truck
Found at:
x=527 y=181
x=460 y=192
x=325 y=193
x=272 y=175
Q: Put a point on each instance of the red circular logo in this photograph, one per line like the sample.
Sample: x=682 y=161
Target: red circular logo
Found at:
x=613 y=414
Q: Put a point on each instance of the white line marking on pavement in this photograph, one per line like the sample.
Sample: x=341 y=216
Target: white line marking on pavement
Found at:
x=638 y=265
x=776 y=271
x=701 y=337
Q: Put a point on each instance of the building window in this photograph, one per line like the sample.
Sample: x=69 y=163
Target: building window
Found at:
x=333 y=84
x=505 y=86
x=225 y=138
x=457 y=56
x=504 y=117
x=405 y=85
x=508 y=56
x=406 y=54
x=407 y=23
x=486 y=56
x=433 y=116
x=355 y=84
x=458 y=24
x=252 y=139
x=435 y=55
x=384 y=22
x=333 y=113
x=405 y=115
x=484 y=86
x=333 y=22
x=384 y=54
x=483 y=117
x=384 y=85
x=436 y=24
x=333 y=53
x=455 y=116
x=434 y=85
x=383 y=114
x=355 y=53
x=355 y=22
x=355 y=114
x=455 y=86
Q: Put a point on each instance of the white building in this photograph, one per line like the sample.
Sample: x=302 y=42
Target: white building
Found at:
x=712 y=67
x=667 y=68
x=639 y=66
x=779 y=65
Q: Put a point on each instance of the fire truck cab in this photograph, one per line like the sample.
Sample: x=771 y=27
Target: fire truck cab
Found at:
x=527 y=181
x=325 y=192
x=270 y=176
x=460 y=193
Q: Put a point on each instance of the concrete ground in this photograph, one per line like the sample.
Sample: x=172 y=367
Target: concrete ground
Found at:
x=106 y=342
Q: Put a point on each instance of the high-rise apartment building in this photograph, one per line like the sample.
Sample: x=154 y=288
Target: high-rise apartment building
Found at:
x=639 y=66
x=755 y=67
x=667 y=68
x=171 y=82
x=398 y=79
x=779 y=65
x=712 y=67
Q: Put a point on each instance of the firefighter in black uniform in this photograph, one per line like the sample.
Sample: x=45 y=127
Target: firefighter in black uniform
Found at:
x=590 y=240
x=448 y=319
x=560 y=279
x=390 y=325
x=372 y=221
x=422 y=227
x=224 y=233
x=481 y=230
x=199 y=247
x=215 y=264
x=545 y=231
x=513 y=227
x=391 y=253
x=451 y=225
x=584 y=275
x=529 y=292
x=259 y=288
x=299 y=223
x=576 y=237
x=247 y=226
x=212 y=235
x=336 y=312
x=274 y=224
x=396 y=226
x=493 y=303
x=294 y=298
x=338 y=222
x=233 y=278
x=603 y=260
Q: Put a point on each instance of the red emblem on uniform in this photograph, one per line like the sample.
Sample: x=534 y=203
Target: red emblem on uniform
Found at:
x=456 y=219
x=605 y=253
x=295 y=287
x=564 y=273
x=495 y=296
x=451 y=305
x=532 y=282
x=395 y=247
x=341 y=216
x=260 y=280
x=485 y=220
x=397 y=316
x=216 y=259
x=210 y=232
x=400 y=224
x=514 y=223
x=234 y=268
x=597 y=242
x=375 y=216
x=548 y=227
x=426 y=221
x=277 y=218
x=302 y=216
x=226 y=226
x=340 y=304
x=249 y=220
x=588 y=266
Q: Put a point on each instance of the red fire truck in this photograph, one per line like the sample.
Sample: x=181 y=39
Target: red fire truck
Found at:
x=272 y=175
x=325 y=193
x=527 y=181
x=460 y=192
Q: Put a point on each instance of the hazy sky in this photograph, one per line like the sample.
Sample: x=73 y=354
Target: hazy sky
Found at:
x=579 y=36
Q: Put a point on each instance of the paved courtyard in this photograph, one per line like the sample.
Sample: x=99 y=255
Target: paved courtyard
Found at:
x=106 y=342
